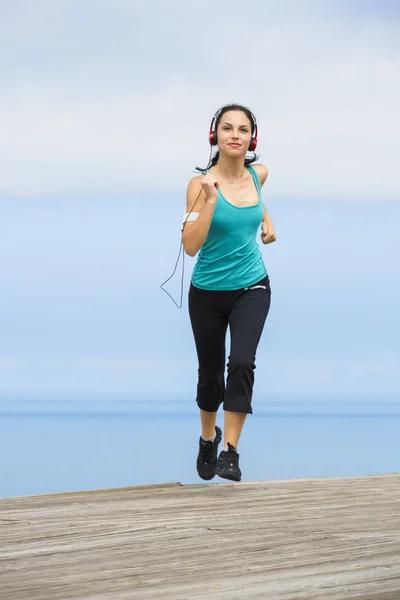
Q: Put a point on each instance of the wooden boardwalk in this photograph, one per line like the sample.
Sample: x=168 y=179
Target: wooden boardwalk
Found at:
x=305 y=539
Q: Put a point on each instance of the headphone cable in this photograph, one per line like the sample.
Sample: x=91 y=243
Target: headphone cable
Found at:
x=179 y=253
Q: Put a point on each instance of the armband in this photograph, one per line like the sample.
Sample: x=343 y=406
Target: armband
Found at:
x=189 y=217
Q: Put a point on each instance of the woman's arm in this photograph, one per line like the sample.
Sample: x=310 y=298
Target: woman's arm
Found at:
x=195 y=232
x=268 y=230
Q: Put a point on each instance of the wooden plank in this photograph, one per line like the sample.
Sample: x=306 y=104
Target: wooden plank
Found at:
x=280 y=540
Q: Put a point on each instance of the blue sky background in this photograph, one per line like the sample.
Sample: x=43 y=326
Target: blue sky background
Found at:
x=104 y=113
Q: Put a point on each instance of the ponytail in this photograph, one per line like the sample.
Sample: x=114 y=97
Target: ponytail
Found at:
x=215 y=159
x=211 y=163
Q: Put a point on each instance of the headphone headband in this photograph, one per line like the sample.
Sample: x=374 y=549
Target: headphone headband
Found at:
x=213 y=133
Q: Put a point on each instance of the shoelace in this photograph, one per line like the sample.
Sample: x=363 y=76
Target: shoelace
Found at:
x=232 y=456
x=205 y=451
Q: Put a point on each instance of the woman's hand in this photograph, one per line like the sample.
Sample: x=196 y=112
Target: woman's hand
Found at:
x=268 y=232
x=210 y=186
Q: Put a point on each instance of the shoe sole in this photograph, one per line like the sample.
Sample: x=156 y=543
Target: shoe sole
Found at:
x=206 y=478
x=229 y=475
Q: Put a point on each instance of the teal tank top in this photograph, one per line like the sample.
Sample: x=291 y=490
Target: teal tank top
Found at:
x=230 y=258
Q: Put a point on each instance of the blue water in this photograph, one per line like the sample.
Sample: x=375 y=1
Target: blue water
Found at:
x=54 y=447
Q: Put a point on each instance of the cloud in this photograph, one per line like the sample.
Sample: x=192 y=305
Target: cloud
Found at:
x=114 y=97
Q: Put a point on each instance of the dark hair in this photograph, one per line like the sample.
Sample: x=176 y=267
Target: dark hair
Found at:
x=213 y=161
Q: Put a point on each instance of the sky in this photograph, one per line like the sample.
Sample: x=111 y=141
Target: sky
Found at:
x=105 y=108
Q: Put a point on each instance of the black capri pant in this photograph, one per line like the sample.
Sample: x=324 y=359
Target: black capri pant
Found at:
x=245 y=311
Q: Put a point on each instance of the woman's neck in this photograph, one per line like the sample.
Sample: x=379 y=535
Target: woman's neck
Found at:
x=230 y=170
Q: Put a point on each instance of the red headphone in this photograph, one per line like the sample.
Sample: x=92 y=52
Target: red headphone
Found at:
x=213 y=133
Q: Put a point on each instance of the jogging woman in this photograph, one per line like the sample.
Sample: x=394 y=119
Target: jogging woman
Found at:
x=229 y=285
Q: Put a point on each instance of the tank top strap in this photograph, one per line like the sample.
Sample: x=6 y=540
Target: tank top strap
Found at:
x=255 y=178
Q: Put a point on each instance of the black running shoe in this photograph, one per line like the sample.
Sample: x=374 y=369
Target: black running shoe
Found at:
x=207 y=457
x=228 y=464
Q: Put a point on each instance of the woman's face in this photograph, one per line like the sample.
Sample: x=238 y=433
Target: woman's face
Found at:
x=234 y=133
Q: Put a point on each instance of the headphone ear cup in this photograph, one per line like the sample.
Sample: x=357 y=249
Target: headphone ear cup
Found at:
x=213 y=138
x=253 y=144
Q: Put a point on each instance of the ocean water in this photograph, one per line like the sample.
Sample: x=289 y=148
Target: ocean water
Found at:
x=56 y=446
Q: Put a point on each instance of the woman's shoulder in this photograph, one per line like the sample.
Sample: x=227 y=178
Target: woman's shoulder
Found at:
x=261 y=171
x=195 y=191
x=195 y=182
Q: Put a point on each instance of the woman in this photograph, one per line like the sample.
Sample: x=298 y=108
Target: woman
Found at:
x=229 y=285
